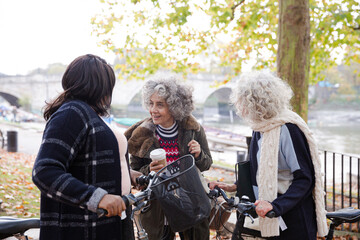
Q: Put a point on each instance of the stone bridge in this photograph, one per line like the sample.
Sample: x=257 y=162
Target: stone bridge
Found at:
x=34 y=90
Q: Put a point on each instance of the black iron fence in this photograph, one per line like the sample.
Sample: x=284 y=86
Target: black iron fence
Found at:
x=342 y=183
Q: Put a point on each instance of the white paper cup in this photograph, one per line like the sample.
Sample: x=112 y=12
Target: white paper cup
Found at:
x=159 y=155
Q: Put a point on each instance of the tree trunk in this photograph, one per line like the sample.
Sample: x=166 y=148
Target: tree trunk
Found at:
x=293 y=53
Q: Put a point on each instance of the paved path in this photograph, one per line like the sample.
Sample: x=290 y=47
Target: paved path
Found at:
x=29 y=135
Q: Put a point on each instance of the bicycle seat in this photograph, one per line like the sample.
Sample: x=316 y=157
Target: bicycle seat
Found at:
x=10 y=226
x=349 y=215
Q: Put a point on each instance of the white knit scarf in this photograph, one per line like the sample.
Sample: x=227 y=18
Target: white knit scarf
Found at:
x=268 y=169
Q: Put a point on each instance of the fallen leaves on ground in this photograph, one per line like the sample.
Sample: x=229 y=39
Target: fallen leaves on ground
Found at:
x=20 y=197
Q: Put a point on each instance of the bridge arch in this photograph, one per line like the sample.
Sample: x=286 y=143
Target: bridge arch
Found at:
x=126 y=94
x=125 y=91
x=213 y=103
x=217 y=104
x=13 y=100
x=135 y=104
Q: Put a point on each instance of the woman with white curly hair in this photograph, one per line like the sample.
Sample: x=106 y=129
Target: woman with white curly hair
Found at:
x=171 y=127
x=285 y=166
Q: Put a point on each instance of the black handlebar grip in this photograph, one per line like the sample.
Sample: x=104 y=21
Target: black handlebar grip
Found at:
x=101 y=212
x=270 y=214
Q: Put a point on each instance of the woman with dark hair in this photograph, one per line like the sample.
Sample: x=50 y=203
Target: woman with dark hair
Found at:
x=82 y=164
x=171 y=127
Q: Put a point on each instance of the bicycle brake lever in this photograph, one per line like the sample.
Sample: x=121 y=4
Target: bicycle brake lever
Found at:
x=137 y=207
x=251 y=218
x=140 y=205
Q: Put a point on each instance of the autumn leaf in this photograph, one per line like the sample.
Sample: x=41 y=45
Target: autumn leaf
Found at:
x=20 y=196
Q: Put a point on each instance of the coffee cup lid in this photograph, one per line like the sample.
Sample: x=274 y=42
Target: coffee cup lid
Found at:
x=158 y=154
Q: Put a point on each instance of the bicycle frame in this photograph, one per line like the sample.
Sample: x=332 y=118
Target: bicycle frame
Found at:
x=139 y=201
x=141 y=233
x=240 y=230
x=245 y=208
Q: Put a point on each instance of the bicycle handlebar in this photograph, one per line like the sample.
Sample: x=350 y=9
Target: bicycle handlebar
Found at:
x=132 y=199
x=243 y=205
x=101 y=212
x=138 y=198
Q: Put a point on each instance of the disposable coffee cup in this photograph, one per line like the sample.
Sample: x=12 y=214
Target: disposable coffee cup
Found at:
x=159 y=155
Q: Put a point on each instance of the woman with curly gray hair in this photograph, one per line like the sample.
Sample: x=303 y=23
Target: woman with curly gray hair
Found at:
x=171 y=127
x=285 y=166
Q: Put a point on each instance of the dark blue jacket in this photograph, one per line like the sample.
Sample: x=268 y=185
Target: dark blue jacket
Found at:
x=296 y=206
x=78 y=162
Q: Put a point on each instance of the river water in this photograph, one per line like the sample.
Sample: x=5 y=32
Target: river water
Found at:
x=336 y=131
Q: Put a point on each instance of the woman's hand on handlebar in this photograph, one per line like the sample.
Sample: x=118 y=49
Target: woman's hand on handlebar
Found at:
x=156 y=166
x=134 y=175
x=113 y=204
x=262 y=207
x=224 y=186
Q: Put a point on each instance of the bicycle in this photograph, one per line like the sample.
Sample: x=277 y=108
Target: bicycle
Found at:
x=139 y=201
x=246 y=208
x=179 y=191
x=16 y=227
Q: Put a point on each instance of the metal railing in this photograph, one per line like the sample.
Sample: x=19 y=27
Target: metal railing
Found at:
x=341 y=183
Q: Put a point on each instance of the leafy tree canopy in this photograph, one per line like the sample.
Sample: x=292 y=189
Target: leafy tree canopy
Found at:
x=188 y=36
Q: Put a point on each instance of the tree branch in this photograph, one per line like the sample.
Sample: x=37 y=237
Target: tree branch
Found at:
x=234 y=7
x=356 y=28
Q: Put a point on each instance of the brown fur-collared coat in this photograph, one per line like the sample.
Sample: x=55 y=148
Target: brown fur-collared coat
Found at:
x=142 y=140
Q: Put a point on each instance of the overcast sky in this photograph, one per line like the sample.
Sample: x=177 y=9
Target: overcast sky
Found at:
x=36 y=33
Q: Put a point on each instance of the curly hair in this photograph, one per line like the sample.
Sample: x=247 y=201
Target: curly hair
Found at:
x=177 y=95
x=260 y=95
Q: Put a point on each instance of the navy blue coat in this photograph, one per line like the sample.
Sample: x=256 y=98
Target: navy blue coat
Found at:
x=77 y=164
x=296 y=206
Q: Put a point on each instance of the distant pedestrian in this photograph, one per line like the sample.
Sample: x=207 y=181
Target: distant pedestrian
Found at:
x=14 y=112
x=82 y=164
